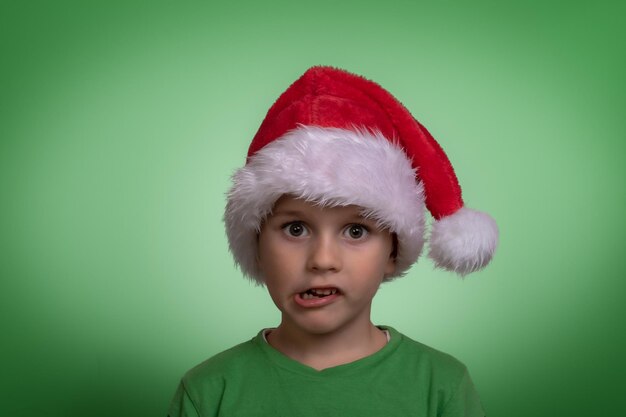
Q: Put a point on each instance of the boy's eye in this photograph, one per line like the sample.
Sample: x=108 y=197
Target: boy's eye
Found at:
x=295 y=229
x=355 y=231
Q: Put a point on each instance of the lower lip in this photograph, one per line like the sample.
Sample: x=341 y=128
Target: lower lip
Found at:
x=315 y=301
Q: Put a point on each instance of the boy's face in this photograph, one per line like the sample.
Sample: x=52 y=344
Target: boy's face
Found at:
x=323 y=265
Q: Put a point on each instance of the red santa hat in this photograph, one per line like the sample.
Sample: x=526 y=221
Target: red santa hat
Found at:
x=336 y=138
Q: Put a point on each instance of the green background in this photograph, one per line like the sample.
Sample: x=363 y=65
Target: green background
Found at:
x=120 y=125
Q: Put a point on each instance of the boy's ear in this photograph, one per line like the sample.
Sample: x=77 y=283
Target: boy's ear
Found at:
x=257 y=257
x=391 y=262
x=390 y=268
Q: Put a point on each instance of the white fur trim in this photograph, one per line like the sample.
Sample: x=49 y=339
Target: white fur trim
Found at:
x=330 y=166
x=463 y=242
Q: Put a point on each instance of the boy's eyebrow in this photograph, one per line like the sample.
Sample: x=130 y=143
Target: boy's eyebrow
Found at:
x=287 y=212
x=354 y=217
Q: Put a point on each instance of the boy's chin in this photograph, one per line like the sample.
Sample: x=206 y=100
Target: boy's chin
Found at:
x=319 y=326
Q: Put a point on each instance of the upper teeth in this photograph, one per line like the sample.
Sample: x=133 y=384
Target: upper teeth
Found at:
x=318 y=293
x=327 y=291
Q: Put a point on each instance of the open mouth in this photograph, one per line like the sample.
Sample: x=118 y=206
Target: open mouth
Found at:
x=318 y=293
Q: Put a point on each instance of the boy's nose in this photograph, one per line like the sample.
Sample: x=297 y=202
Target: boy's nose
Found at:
x=324 y=255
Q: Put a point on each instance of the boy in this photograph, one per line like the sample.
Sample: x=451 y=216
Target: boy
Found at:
x=328 y=206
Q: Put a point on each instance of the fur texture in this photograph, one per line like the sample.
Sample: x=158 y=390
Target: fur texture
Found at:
x=463 y=242
x=329 y=166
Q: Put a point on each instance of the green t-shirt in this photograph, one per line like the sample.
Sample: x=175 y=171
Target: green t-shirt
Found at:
x=404 y=378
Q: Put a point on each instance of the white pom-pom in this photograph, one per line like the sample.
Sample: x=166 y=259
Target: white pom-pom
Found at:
x=463 y=242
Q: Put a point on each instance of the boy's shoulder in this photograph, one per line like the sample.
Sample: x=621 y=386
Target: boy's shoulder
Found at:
x=202 y=386
x=435 y=355
x=234 y=360
x=415 y=356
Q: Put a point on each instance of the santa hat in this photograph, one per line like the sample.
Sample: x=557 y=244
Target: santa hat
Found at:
x=336 y=138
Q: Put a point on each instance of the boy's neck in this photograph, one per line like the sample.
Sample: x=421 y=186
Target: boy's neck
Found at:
x=321 y=351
